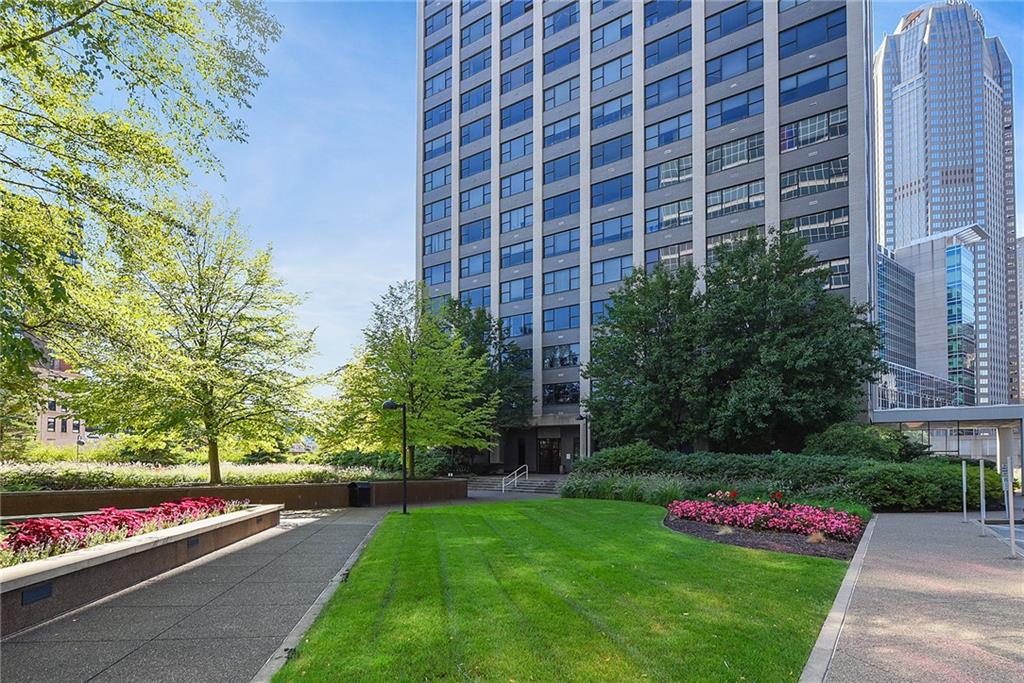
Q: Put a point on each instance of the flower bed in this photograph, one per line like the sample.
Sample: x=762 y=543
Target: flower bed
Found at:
x=770 y=516
x=42 y=537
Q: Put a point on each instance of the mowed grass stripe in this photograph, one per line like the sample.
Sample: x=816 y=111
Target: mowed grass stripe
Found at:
x=568 y=590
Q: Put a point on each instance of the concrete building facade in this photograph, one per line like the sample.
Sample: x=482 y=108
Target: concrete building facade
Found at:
x=945 y=157
x=563 y=144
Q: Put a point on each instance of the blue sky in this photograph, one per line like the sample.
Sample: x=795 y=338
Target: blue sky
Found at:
x=327 y=176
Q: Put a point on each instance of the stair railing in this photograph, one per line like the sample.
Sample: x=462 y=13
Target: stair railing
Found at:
x=512 y=479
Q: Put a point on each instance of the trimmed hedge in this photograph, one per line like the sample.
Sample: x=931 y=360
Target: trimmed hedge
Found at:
x=919 y=485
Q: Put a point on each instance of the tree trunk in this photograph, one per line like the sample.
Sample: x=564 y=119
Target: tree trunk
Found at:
x=213 y=454
x=410 y=461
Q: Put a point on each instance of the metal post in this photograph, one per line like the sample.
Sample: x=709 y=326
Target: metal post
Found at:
x=1009 y=508
x=963 y=486
x=405 y=454
x=981 y=492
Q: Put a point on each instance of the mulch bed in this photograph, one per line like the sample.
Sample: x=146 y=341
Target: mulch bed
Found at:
x=778 y=541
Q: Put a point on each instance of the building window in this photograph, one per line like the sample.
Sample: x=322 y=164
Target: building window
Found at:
x=517 y=254
x=611 y=72
x=51 y=424
x=668 y=216
x=517 y=77
x=838 y=273
x=598 y=5
x=668 y=173
x=76 y=426
x=561 y=19
x=611 y=270
x=735 y=63
x=473 y=65
x=438 y=83
x=517 y=290
x=475 y=231
x=435 y=211
x=438 y=242
x=474 y=197
x=722 y=240
x=563 y=55
x=51 y=404
x=611 y=190
x=610 y=33
x=437 y=21
x=732 y=19
x=610 y=151
x=435 y=116
x=611 y=230
x=516 y=112
x=664 y=49
x=470 y=5
x=516 y=219
x=813 y=129
x=670 y=257
x=611 y=111
x=660 y=10
x=735 y=108
x=822 y=226
x=476 y=298
x=476 y=264
x=562 y=318
x=437 y=147
x=435 y=53
x=561 y=168
x=477 y=97
x=734 y=199
x=599 y=311
x=789 y=4
x=735 y=153
x=812 y=81
x=477 y=30
x=517 y=182
x=564 y=242
x=564 y=280
x=476 y=163
x=475 y=130
x=439 y=274
x=517 y=147
x=820 y=177
x=668 y=131
x=64 y=425
x=667 y=89
x=518 y=325
x=513 y=9
x=561 y=393
x=562 y=93
x=562 y=130
x=817 y=31
x=561 y=356
x=517 y=42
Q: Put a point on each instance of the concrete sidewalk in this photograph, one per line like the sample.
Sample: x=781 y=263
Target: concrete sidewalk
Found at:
x=216 y=619
x=936 y=601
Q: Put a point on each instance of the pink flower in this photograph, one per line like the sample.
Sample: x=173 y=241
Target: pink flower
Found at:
x=792 y=518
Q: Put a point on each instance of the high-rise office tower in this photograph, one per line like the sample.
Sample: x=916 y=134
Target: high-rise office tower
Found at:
x=945 y=151
x=564 y=144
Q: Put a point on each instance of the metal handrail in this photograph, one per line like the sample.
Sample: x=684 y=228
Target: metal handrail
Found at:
x=521 y=471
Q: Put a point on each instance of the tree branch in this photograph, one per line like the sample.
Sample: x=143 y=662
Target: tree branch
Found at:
x=56 y=29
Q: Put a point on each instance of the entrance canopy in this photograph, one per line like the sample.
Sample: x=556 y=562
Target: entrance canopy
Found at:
x=991 y=431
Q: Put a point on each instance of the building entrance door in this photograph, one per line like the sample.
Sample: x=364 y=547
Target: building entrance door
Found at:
x=548 y=455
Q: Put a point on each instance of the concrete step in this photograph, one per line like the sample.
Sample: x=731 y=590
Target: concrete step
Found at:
x=550 y=486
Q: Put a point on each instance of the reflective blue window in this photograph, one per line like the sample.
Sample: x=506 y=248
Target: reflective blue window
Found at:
x=668 y=173
x=517 y=254
x=517 y=183
x=612 y=32
x=611 y=72
x=476 y=298
x=668 y=131
x=439 y=274
x=478 y=96
x=516 y=112
x=562 y=130
x=667 y=89
x=817 y=31
x=517 y=77
x=599 y=311
x=732 y=64
x=517 y=325
x=732 y=19
x=563 y=55
x=438 y=83
x=474 y=64
x=611 y=111
x=517 y=42
x=516 y=147
x=477 y=163
x=438 y=242
x=660 y=10
x=611 y=230
x=515 y=9
x=475 y=231
x=611 y=190
x=735 y=108
x=520 y=289
x=475 y=265
x=564 y=242
x=813 y=81
x=477 y=30
x=437 y=115
x=562 y=167
x=475 y=130
x=561 y=93
x=562 y=205
x=439 y=146
x=610 y=151
x=564 y=280
x=474 y=197
x=517 y=219
x=664 y=49
x=611 y=270
x=435 y=53
x=437 y=178
x=437 y=21
x=562 y=318
x=435 y=211
x=561 y=19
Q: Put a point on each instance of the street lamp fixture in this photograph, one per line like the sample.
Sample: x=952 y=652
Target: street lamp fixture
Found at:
x=392 y=405
x=80 y=442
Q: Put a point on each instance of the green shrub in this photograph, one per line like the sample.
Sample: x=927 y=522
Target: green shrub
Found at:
x=636 y=457
x=856 y=440
x=922 y=485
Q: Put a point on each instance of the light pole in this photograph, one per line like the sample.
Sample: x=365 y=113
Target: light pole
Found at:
x=391 y=405
x=80 y=442
x=586 y=429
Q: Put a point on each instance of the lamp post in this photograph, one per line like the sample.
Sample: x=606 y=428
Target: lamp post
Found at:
x=80 y=442
x=586 y=429
x=392 y=405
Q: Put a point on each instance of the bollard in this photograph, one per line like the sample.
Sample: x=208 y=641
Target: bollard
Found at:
x=963 y=487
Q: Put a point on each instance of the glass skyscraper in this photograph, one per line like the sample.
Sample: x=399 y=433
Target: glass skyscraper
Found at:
x=945 y=155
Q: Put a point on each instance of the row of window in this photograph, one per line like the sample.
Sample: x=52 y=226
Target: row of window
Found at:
x=567 y=279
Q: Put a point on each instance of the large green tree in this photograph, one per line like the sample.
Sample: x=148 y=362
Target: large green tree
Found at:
x=411 y=356
x=642 y=362
x=761 y=357
x=222 y=356
x=107 y=108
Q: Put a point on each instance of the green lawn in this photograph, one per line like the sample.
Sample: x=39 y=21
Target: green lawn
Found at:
x=564 y=590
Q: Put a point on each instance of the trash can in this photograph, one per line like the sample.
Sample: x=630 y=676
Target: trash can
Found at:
x=360 y=494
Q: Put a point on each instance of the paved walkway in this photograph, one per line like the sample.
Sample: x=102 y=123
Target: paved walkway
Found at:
x=936 y=601
x=216 y=619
